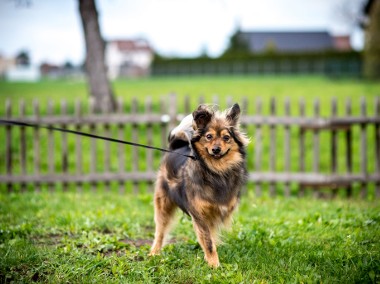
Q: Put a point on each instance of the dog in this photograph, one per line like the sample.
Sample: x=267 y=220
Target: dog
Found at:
x=206 y=188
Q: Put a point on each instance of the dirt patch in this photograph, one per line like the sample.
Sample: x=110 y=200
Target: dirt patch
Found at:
x=129 y=242
x=137 y=243
x=49 y=240
x=36 y=277
x=142 y=242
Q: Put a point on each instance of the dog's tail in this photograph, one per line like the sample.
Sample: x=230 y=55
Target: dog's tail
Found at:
x=181 y=135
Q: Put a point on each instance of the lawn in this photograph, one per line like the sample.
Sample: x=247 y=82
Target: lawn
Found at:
x=237 y=87
x=105 y=238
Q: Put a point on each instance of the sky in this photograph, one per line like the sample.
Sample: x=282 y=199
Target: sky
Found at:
x=51 y=30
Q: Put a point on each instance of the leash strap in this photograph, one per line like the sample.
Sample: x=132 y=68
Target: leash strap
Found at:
x=18 y=123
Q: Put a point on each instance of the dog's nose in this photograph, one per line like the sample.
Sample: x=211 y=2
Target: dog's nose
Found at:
x=216 y=150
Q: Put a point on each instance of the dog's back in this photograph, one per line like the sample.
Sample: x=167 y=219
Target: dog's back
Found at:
x=179 y=141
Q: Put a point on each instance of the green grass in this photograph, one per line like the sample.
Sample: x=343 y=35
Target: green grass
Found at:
x=105 y=238
x=237 y=87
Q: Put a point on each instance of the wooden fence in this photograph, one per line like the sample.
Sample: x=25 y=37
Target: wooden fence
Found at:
x=289 y=154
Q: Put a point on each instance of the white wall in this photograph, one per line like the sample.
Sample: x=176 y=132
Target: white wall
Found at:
x=21 y=73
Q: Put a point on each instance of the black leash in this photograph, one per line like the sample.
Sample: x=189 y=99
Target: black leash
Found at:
x=18 y=123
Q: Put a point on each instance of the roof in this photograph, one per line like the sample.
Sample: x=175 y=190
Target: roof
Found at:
x=132 y=45
x=288 y=41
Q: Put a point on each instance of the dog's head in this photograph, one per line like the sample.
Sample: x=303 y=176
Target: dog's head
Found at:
x=217 y=137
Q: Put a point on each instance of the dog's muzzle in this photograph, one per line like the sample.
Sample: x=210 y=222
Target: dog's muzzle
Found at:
x=217 y=153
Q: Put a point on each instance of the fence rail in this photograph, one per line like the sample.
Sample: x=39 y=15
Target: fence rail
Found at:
x=289 y=154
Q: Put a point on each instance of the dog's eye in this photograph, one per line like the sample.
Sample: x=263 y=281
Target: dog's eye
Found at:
x=208 y=136
x=226 y=138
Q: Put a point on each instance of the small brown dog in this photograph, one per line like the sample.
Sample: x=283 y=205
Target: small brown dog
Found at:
x=208 y=188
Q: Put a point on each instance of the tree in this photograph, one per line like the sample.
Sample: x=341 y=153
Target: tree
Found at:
x=100 y=87
x=68 y=65
x=23 y=59
x=372 y=40
x=366 y=15
x=238 y=44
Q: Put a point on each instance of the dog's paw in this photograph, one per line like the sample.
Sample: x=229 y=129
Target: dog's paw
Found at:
x=154 y=252
x=213 y=261
x=214 y=264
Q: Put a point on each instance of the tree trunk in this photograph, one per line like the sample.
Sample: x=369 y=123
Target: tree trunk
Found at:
x=372 y=43
x=100 y=87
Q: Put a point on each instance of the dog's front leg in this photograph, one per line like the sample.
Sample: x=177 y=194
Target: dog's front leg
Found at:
x=207 y=240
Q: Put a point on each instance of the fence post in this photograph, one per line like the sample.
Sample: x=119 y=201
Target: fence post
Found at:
x=187 y=105
x=215 y=101
x=244 y=108
x=93 y=150
x=65 y=154
x=106 y=109
x=258 y=146
x=302 y=146
x=272 y=150
x=348 y=138
x=172 y=111
x=36 y=140
x=51 y=152
x=78 y=143
x=316 y=160
x=201 y=100
x=149 y=135
x=363 y=147
x=287 y=146
x=8 y=142
x=135 y=137
x=22 y=143
x=121 y=147
x=334 y=143
x=165 y=119
x=377 y=145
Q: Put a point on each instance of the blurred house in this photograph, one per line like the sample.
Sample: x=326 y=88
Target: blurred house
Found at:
x=50 y=70
x=294 y=42
x=128 y=58
x=6 y=64
x=342 y=43
x=19 y=68
x=66 y=71
x=23 y=73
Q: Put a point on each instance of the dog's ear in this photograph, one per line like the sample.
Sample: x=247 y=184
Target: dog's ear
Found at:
x=233 y=115
x=202 y=117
